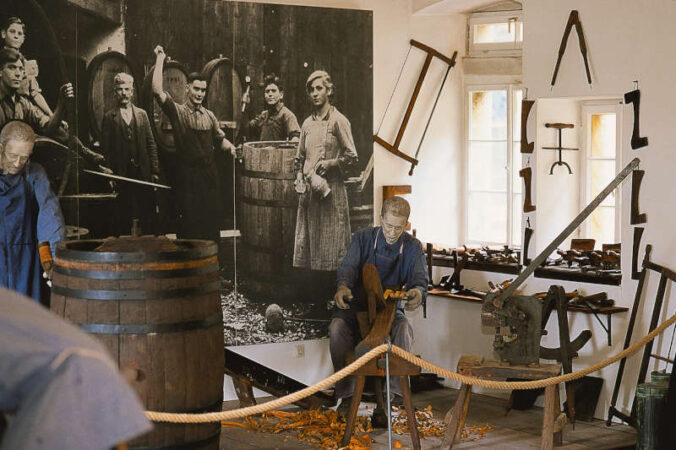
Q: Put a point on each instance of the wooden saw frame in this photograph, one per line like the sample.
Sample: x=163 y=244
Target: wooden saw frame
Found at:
x=394 y=148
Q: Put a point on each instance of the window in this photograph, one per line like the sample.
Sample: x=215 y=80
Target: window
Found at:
x=601 y=165
x=493 y=162
x=495 y=33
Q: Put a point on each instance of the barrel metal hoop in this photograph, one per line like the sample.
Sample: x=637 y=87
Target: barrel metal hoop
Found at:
x=184 y=445
x=136 y=274
x=64 y=252
x=267 y=175
x=146 y=328
x=103 y=294
x=271 y=203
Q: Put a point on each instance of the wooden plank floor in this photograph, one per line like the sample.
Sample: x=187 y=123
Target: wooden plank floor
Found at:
x=517 y=430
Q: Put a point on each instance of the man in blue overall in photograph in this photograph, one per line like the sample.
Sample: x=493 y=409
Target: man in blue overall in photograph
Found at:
x=400 y=262
x=29 y=210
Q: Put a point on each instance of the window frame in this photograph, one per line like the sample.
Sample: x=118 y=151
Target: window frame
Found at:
x=587 y=109
x=511 y=88
x=513 y=48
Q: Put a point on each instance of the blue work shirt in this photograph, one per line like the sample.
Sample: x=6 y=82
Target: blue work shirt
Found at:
x=29 y=213
x=400 y=265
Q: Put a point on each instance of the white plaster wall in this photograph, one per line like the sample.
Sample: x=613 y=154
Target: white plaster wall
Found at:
x=627 y=40
x=557 y=196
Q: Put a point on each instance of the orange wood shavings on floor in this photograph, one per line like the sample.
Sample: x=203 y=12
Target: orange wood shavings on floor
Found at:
x=323 y=428
x=429 y=426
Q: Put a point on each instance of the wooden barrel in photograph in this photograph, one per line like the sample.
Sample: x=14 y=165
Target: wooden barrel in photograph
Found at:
x=174 y=79
x=267 y=207
x=224 y=91
x=102 y=70
x=155 y=304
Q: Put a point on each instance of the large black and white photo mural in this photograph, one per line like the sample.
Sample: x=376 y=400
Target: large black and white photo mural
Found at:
x=257 y=116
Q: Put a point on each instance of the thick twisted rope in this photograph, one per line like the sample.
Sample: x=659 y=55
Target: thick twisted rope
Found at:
x=363 y=360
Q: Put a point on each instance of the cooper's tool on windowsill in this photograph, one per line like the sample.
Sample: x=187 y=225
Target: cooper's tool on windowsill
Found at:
x=573 y=19
x=394 y=148
x=559 y=128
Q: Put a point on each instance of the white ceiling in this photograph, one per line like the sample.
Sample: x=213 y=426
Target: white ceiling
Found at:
x=421 y=7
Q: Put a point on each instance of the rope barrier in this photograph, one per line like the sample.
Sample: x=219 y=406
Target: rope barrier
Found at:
x=383 y=348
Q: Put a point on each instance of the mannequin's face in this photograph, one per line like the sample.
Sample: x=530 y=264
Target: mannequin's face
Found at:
x=14 y=155
x=393 y=226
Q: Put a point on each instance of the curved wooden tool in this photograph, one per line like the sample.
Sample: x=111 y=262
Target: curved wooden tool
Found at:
x=638 y=234
x=527 y=175
x=636 y=178
x=573 y=19
x=527 y=235
x=526 y=106
x=634 y=97
x=384 y=310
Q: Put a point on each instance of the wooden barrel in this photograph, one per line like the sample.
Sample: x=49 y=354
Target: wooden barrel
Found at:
x=224 y=92
x=174 y=79
x=267 y=210
x=155 y=304
x=101 y=98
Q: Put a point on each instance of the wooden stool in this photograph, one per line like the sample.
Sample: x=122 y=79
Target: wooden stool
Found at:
x=474 y=365
x=376 y=367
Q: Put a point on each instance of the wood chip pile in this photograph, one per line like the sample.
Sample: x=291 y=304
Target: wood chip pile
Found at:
x=325 y=428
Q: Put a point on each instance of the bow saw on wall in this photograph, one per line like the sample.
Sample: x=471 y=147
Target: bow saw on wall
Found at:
x=394 y=148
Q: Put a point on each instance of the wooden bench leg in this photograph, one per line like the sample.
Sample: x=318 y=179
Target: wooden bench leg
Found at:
x=455 y=420
x=354 y=406
x=410 y=412
x=553 y=421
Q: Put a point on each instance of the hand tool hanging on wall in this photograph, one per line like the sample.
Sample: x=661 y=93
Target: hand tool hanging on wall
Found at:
x=394 y=148
x=636 y=178
x=573 y=19
x=527 y=235
x=526 y=105
x=634 y=97
x=527 y=175
x=559 y=128
x=666 y=275
x=638 y=234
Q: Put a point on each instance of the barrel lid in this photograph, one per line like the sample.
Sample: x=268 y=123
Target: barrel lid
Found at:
x=651 y=389
x=136 y=249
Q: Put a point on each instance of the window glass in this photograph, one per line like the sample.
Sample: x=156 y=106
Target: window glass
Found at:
x=602 y=225
x=487 y=219
x=487 y=163
x=507 y=31
x=488 y=117
x=603 y=135
x=602 y=172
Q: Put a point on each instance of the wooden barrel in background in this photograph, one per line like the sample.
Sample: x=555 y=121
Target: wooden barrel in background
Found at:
x=155 y=304
x=102 y=70
x=223 y=98
x=224 y=92
x=174 y=79
x=267 y=210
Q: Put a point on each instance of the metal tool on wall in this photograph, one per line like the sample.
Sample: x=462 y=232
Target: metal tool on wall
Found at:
x=634 y=97
x=638 y=234
x=559 y=128
x=394 y=148
x=573 y=19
